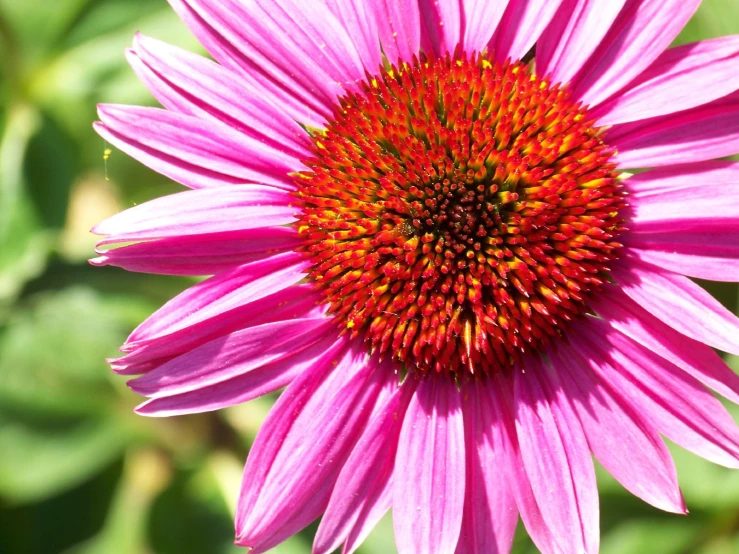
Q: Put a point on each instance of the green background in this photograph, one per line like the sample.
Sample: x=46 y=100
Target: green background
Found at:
x=79 y=472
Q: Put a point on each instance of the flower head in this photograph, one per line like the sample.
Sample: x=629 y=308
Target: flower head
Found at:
x=417 y=216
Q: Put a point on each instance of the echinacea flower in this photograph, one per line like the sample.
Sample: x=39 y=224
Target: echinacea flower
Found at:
x=418 y=220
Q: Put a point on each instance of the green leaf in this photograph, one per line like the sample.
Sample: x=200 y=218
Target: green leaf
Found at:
x=639 y=536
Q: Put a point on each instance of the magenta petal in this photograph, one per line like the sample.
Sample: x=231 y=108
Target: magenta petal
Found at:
x=693 y=357
x=707 y=207
x=556 y=458
x=302 y=446
x=428 y=492
x=695 y=175
x=199 y=212
x=254 y=382
x=522 y=24
x=193 y=85
x=710 y=256
x=295 y=52
x=573 y=35
x=490 y=514
x=221 y=293
x=641 y=32
x=194 y=152
x=481 y=19
x=627 y=447
x=398 y=27
x=707 y=132
x=203 y=254
x=680 y=303
x=442 y=23
x=231 y=355
x=358 y=18
x=677 y=405
x=365 y=481
x=682 y=78
x=502 y=400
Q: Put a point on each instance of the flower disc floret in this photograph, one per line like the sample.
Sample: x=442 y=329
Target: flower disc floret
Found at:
x=459 y=212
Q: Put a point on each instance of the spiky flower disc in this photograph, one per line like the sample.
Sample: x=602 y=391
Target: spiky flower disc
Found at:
x=459 y=212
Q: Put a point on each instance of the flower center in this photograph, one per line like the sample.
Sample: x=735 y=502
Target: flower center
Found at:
x=458 y=212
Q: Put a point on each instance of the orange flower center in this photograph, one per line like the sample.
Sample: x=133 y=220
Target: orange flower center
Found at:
x=458 y=213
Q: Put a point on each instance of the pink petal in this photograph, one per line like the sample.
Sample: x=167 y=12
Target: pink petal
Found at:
x=490 y=514
x=365 y=482
x=428 y=492
x=556 y=459
x=192 y=151
x=192 y=85
x=469 y=23
x=253 y=383
x=219 y=294
x=714 y=172
x=707 y=207
x=200 y=212
x=358 y=18
x=680 y=303
x=672 y=401
x=200 y=255
x=628 y=447
x=268 y=306
x=231 y=355
x=303 y=445
x=481 y=19
x=442 y=23
x=693 y=357
x=546 y=540
x=682 y=78
x=641 y=32
x=522 y=24
x=703 y=133
x=573 y=35
x=398 y=27
x=711 y=256
x=288 y=48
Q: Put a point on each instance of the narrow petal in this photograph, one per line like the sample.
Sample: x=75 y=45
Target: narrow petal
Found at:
x=693 y=357
x=711 y=256
x=557 y=460
x=481 y=20
x=302 y=446
x=229 y=356
x=707 y=132
x=682 y=78
x=546 y=540
x=708 y=207
x=220 y=294
x=192 y=85
x=200 y=255
x=428 y=492
x=399 y=28
x=366 y=478
x=253 y=383
x=681 y=304
x=359 y=19
x=713 y=172
x=573 y=35
x=285 y=46
x=640 y=33
x=192 y=151
x=677 y=405
x=265 y=306
x=223 y=42
x=628 y=448
x=442 y=23
x=199 y=212
x=490 y=514
x=522 y=24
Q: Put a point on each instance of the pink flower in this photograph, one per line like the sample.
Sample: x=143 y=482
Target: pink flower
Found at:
x=439 y=253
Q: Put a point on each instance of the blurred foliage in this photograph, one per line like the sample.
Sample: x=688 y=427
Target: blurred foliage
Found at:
x=79 y=472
